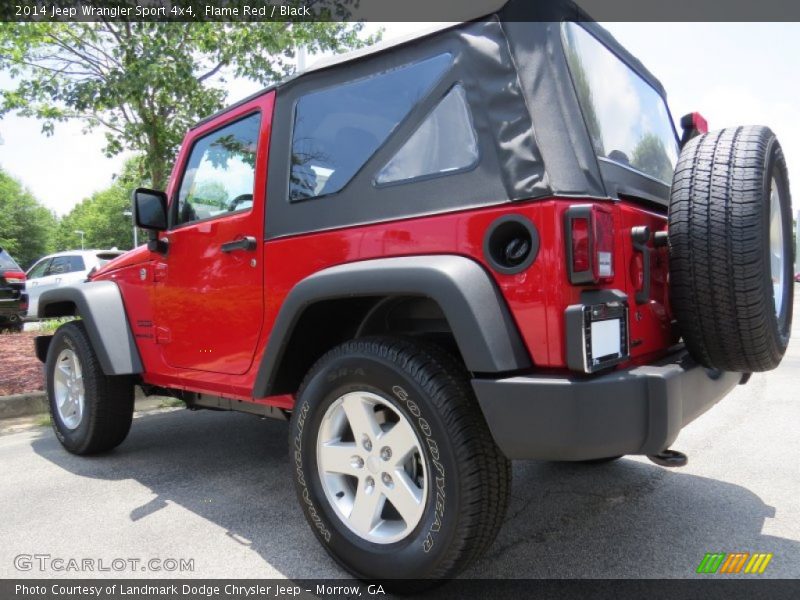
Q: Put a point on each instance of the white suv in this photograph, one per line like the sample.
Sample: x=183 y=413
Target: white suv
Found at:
x=60 y=269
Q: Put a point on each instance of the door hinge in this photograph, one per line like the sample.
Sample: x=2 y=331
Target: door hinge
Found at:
x=160 y=272
x=163 y=335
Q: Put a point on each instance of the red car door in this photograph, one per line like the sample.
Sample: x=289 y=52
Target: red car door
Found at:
x=209 y=284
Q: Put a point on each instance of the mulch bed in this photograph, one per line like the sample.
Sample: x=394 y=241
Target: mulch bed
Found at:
x=20 y=370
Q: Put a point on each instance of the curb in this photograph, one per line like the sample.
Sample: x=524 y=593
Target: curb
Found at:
x=35 y=403
x=23 y=405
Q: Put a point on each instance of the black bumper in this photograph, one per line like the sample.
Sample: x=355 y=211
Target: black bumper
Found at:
x=11 y=307
x=634 y=411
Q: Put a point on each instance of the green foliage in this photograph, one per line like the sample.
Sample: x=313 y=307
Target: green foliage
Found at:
x=144 y=84
x=101 y=216
x=26 y=227
x=50 y=325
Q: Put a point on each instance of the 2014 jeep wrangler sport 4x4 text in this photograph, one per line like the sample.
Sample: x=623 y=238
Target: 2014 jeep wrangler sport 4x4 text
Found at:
x=433 y=257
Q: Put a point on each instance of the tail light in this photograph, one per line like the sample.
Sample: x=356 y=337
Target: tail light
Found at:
x=14 y=276
x=589 y=235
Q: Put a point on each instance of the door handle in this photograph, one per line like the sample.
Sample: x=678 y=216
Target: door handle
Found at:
x=246 y=243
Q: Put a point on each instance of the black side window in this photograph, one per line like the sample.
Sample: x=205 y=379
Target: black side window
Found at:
x=59 y=266
x=76 y=264
x=338 y=129
x=220 y=173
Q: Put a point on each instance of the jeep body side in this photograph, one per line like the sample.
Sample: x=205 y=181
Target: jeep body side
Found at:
x=421 y=325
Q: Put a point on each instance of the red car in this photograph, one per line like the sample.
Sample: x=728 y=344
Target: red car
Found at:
x=431 y=259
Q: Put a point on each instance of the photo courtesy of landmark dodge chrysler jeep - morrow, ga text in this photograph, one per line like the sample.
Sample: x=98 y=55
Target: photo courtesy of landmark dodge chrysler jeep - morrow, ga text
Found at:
x=432 y=258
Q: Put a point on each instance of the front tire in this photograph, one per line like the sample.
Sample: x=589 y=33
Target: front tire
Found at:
x=393 y=463
x=90 y=411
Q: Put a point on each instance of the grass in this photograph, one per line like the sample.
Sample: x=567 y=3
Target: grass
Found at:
x=171 y=403
x=50 y=325
x=43 y=420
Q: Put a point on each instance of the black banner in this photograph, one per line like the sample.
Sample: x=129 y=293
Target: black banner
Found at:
x=338 y=589
x=396 y=10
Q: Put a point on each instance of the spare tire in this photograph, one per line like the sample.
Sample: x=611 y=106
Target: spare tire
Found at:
x=730 y=240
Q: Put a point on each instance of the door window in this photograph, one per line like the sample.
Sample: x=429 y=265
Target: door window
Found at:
x=220 y=173
x=59 y=266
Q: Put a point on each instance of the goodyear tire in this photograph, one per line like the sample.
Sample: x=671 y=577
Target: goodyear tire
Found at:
x=730 y=238
x=394 y=466
x=90 y=411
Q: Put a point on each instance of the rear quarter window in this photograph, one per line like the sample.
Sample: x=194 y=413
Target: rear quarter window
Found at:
x=338 y=129
x=6 y=262
x=444 y=143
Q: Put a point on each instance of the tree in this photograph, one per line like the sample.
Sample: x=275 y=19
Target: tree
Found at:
x=145 y=83
x=102 y=217
x=26 y=226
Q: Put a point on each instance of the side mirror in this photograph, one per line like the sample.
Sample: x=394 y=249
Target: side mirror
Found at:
x=150 y=209
x=150 y=212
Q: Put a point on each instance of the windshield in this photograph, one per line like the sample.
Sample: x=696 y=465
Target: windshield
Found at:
x=627 y=119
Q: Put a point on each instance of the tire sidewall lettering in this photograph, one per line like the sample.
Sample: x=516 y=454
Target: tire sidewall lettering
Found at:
x=433 y=449
x=300 y=475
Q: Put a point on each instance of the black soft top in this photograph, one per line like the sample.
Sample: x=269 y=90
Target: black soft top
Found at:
x=504 y=10
x=532 y=139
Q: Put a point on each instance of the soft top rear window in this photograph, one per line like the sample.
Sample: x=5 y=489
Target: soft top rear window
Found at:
x=627 y=119
x=6 y=262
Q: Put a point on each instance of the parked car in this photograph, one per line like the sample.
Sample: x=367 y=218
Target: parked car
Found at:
x=13 y=300
x=434 y=257
x=62 y=268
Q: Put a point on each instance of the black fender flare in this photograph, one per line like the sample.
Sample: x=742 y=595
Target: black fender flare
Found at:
x=100 y=306
x=476 y=311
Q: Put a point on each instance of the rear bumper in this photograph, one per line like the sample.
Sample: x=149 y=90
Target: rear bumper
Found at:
x=12 y=308
x=634 y=411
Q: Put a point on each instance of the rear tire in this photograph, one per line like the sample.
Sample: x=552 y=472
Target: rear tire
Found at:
x=730 y=237
x=461 y=479
x=90 y=411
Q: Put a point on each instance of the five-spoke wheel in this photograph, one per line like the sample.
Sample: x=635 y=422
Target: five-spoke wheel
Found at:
x=371 y=467
x=68 y=388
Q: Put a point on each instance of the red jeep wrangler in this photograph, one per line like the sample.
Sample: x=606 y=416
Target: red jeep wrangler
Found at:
x=432 y=258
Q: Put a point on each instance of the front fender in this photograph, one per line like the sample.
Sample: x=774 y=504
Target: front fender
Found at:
x=483 y=328
x=100 y=306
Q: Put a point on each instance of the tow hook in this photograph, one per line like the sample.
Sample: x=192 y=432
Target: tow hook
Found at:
x=669 y=458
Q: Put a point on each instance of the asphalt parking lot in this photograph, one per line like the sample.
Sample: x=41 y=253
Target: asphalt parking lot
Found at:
x=215 y=488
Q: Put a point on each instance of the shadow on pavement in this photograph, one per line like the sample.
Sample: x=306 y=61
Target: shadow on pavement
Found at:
x=624 y=519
